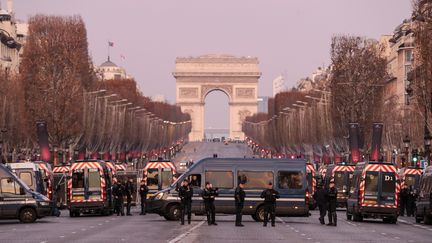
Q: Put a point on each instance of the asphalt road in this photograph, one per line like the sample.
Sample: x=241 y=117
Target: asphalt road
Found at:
x=154 y=228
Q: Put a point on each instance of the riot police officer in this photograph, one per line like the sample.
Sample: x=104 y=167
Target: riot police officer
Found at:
x=185 y=194
x=332 y=201
x=143 y=194
x=209 y=195
x=119 y=192
x=239 y=203
x=130 y=190
x=320 y=197
x=270 y=195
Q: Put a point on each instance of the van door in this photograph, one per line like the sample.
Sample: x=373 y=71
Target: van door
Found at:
x=388 y=188
x=371 y=190
x=166 y=178
x=94 y=184
x=78 y=184
x=11 y=198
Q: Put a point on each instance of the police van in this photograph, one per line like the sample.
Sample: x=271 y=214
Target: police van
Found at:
x=60 y=174
x=37 y=175
x=410 y=177
x=312 y=183
x=89 y=188
x=18 y=201
x=424 y=202
x=341 y=174
x=287 y=175
x=159 y=174
x=374 y=192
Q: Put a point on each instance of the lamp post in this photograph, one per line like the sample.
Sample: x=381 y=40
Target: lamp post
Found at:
x=427 y=144
x=406 y=142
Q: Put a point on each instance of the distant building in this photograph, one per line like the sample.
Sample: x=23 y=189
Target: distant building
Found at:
x=399 y=51
x=109 y=70
x=263 y=104
x=279 y=85
x=317 y=79
x=158 y=98
x=10 y=40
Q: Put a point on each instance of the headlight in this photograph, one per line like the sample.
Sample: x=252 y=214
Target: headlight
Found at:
x=159 y=196
x=44 y=203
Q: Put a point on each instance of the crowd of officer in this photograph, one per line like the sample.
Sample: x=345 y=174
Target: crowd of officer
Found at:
x=326 y=202
x=407 y=200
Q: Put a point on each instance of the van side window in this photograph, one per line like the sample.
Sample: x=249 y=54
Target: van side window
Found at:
x=27 y=178
x=255 y=179
x=78 y=178
x=93 y=178
x=290 y=180
x=153 y=178
x=195 y=180
x=9 y=186
x=220 y=179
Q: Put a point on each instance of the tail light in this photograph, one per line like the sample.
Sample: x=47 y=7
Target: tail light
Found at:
x=307 y=197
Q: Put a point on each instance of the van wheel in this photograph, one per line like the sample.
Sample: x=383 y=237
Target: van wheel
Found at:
x=259 y=214
x=173 y=212
x=27 y=215
x=427 y=220
x=357 y=217
x=254 y=217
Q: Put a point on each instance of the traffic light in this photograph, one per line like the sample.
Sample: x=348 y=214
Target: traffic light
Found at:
x=415 y=158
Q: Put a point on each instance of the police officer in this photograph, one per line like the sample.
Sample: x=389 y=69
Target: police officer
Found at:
x=119 y=192
x=270 y=195
x=331 y=198
x=239 y=203
x=143 y=194
x=403 y=197
x=209 y=195
x=130 y=190
x=186 y=194
x=320 y=197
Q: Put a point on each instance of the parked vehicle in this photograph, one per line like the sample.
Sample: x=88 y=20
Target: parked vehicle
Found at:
x=374 y=192
x=424 y=202
x=89 y=188
x=311 y=179
x=60 y=174
x=37 y=175
x=287 y=175
x=159 y=175
x=410 y=177
x=341 y=174
x=18 y=201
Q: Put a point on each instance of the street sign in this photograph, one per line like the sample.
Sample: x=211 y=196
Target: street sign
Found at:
x=423 y=164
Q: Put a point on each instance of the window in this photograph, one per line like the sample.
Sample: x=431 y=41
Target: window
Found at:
x=9 y=186
x=408 y=56
x=78 y=179
x=371 y=183
x=290 y=180
x=220 y=179
x=167 y=177
x=27 y=178
x=195 y=180
x=339 y=180
x=309 y=179
x=255 y=179
x=94 y=178
x=410 y=180
x=153 y=178
x=388 y=180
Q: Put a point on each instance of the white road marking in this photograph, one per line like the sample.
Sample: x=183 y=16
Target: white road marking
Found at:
x=178 y=238
x=61 y=236
x=397 y=238
x=384 y=233
x=296 y=231
x=73 y=232
x=309 y=238
x=100 y=224
x=43 y=241
x=303 y=234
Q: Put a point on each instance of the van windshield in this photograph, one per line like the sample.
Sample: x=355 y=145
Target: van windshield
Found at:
x=371 y=183
x=153 y=178
x=339 y=180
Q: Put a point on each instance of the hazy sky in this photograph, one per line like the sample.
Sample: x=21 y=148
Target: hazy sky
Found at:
x=288 y=36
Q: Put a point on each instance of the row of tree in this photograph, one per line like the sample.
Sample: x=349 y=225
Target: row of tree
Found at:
x=57 y=84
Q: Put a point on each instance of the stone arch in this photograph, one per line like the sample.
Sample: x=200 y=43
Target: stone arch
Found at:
x=237 y=77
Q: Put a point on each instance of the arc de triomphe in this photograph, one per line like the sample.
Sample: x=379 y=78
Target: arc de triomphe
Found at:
x=237 y=77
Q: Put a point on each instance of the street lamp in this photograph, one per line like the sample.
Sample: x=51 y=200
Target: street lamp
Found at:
x=427 y=144
x=406 y=142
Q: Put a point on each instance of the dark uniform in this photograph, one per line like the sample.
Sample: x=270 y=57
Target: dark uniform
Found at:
x=119 y=192
x=186 y=194
x=130 y=190
x=239 y=203
x=320 y=197
x=143 y=194
x=209 y=195
x=403 y=197
x=332 y=201
x=270 y=196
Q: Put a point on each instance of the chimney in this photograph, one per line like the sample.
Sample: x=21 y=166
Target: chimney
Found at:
x=9 y=6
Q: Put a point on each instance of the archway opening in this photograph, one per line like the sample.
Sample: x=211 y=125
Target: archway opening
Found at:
x=216 y=115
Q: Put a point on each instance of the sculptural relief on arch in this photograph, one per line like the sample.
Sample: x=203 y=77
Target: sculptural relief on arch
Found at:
x=237 y=77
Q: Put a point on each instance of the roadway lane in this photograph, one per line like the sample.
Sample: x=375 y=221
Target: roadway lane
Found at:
x=200 y=150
